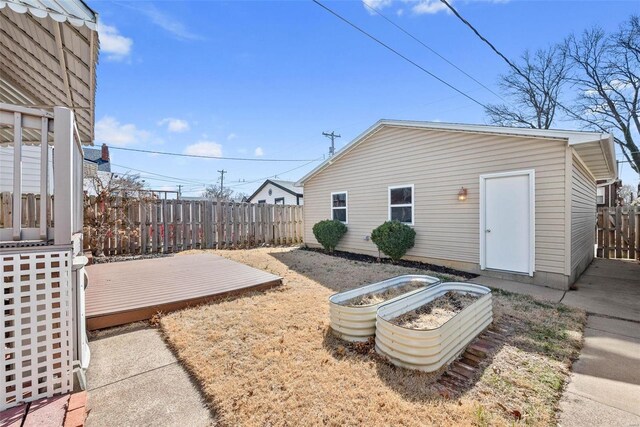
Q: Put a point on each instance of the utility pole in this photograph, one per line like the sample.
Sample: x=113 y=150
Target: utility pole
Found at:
x=179 y=191
x=222 y=172
x=332 y=136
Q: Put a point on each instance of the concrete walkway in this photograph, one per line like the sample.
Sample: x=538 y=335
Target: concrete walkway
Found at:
x=135 y=380
x=604 y=388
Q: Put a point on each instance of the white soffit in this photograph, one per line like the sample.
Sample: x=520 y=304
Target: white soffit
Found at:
x=48 y=57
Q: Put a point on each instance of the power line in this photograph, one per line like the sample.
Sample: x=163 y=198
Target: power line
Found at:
x=276 y=174
x=468 y=24
x=200 y=156
x=176 y=179
x=345 y=20
x=504 y=57
x=430 y=49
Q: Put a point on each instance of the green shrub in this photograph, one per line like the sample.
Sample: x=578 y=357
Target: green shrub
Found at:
x=329 y=232
x=394 y=238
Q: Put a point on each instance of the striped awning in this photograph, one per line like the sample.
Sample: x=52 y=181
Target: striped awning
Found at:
x=48 y=57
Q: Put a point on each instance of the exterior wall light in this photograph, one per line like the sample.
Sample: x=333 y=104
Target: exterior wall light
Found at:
x=462 y=194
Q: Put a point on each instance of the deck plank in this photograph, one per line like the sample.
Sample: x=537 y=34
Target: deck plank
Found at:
x=123 y=292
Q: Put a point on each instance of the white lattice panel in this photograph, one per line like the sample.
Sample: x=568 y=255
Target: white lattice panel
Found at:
x=36 y=325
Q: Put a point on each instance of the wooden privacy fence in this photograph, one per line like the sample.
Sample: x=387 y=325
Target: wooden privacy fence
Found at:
x=30 y=212
x=618 y=232
x=162 y=226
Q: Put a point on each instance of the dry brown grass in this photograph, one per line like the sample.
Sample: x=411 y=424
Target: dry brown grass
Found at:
x=269 y=358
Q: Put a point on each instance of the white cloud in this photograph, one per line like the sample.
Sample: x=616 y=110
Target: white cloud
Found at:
x=428 y=7
x=168 y=23
x=231 y=136
x=376 y=4
x=417 y=7
x=259 y=152
x=115 y=45
x=110 y=131
x=174 y=125
x=204 y=148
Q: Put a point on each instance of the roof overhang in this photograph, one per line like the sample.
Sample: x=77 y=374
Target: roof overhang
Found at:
x=48 y=57
x=585 y=143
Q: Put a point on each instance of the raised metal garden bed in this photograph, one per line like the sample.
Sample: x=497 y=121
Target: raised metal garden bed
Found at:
x=358 y=323
x=430 y=349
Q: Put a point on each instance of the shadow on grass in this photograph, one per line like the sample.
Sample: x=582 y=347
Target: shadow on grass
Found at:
x=339 y=274
x=412 y=385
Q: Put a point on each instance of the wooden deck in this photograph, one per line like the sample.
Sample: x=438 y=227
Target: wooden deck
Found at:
x=125 y=292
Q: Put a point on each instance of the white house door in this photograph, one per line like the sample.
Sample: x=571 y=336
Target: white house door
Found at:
x=507 y=224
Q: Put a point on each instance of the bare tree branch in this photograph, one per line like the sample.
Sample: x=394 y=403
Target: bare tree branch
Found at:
x=534 y=90
x=606 y=70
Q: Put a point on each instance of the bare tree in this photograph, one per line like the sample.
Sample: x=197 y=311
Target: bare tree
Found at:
x=106 y=206
x=626 y=194
x=607 y=77
x=533 y=87
x=215 y=192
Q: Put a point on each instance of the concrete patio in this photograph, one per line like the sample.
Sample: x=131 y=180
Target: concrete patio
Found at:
x=135 y=380
x=605 y=383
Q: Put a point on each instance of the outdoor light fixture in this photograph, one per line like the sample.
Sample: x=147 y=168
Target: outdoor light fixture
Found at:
x=462 y=194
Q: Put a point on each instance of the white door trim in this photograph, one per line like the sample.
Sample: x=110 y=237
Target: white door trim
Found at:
x=532 y=211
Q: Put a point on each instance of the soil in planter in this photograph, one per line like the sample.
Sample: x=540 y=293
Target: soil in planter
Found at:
x=384 y=295
x=435 y=313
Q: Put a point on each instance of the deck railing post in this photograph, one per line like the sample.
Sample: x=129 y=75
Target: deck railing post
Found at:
x=63 y=175
x=17 y=176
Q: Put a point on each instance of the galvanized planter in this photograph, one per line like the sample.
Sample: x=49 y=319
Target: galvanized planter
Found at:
x=353 y=323
x=430 y=349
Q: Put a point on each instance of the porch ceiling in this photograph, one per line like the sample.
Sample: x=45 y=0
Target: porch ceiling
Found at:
x=48 y=57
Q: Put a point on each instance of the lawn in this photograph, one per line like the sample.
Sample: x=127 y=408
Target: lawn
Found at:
x=269 y=358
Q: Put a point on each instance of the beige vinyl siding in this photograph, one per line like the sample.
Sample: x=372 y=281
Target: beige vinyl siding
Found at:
x=583 y=217
x=438 y=163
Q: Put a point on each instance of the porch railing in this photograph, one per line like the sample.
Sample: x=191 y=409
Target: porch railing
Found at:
x=24 y=218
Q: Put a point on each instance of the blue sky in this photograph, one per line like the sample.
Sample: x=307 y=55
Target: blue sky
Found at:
x=264 y=79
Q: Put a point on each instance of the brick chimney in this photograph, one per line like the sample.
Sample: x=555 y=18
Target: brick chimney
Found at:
x=105 y=153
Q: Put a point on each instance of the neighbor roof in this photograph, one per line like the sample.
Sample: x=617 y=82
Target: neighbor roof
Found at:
x=49 y=52
x=288 y=186
x=594 y=148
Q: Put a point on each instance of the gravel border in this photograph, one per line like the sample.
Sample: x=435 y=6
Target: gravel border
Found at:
x=123 y=258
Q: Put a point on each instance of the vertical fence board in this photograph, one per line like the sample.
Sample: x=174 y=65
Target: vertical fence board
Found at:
x=162 y=226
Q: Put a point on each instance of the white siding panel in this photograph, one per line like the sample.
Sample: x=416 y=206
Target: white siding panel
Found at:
x=439 y=163
x=583 y=217
x=30 y=169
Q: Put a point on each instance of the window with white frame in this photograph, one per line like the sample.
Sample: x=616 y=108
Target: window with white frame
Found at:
x=339 y=206
x=600 y=195
x=401 y=203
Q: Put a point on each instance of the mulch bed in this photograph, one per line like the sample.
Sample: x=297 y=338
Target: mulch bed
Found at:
x=403 y=263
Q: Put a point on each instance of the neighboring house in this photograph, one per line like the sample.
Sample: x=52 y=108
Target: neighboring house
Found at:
x=99 y=157
x=49 y=53
x=505 y=202
x=607 y=193
x=276 y=192
x=96 y=169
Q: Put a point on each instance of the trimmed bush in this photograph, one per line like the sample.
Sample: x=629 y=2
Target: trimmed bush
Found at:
x=329 y=232
x=394 y=239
